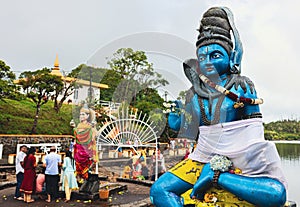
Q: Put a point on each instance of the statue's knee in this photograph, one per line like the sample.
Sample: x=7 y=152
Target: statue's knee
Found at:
x=281 y=195
x=156 y=190
x=278 y=196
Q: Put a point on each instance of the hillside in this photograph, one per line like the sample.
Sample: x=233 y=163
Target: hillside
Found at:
x=16 y=117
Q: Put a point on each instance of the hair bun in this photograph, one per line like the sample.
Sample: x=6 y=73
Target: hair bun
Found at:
x=215 y=28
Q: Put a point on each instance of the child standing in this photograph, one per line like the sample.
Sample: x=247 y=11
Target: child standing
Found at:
x=40 y=183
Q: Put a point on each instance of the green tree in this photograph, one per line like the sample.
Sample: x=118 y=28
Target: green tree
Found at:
x=147 y=100
x=7 y=87
x=39 y=85
x=92 y=73
x=137 y=83
x=112 y=79
x=134 y=67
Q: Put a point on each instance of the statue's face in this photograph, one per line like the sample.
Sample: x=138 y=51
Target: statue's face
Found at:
x=213 y=60
x=83 y=116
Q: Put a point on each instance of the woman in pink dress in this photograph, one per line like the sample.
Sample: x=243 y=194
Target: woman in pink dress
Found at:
x=40 y=183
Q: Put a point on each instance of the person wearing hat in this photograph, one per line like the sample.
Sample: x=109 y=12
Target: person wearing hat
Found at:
x=20 y=171
x=52 y=164
x=222 y=111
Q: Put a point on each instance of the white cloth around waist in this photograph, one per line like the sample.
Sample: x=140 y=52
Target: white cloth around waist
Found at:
x=244 y=144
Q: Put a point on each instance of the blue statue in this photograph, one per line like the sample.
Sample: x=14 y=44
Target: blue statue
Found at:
x=222 y=111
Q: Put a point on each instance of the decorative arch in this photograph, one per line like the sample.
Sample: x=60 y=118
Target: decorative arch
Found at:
x=128 y=130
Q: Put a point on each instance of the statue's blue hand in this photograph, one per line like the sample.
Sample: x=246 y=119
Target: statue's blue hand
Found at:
x=203 y=183
x=174 y=118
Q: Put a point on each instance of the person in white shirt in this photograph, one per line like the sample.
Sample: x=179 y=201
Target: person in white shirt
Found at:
x=52 y=164
x=172 y=144
x=20 y=171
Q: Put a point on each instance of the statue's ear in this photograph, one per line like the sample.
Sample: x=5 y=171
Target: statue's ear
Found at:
x=233 y=63
x=231 y=60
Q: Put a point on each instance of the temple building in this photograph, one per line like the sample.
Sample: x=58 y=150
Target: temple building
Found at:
x=83 y=87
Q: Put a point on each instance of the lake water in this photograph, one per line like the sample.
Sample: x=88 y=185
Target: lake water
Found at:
x=290 y=159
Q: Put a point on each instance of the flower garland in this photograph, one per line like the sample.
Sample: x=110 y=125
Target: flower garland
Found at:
x=170 y=107
x=220 y=163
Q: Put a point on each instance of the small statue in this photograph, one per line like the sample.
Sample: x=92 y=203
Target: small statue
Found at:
x=222 y=110
x=85 y=149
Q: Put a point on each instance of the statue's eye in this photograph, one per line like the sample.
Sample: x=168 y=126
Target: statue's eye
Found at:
x=216 y=55
x=201 y=57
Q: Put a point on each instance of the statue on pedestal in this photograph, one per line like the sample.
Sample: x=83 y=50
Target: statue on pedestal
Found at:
x=85 y=149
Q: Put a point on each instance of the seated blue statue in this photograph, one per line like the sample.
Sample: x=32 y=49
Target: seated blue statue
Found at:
x=222 y=111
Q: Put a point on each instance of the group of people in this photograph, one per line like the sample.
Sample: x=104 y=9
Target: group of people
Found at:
x=139 y=169
x=84 y=149
x=46 y=182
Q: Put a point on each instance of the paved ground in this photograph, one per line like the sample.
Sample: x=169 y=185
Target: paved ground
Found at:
x=137 y=195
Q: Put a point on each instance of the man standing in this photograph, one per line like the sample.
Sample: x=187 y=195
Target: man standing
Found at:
x=52 y=163
x=20 y=171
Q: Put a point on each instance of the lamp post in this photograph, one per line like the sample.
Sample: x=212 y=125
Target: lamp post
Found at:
x=166 y=95
x=90 y=88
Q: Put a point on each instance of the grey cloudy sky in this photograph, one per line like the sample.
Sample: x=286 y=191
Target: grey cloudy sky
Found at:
x=34 y=31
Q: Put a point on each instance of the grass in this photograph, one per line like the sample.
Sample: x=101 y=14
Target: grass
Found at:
x=17 y=117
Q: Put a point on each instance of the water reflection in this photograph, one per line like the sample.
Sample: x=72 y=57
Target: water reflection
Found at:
x=290 y=160
x=289 y=151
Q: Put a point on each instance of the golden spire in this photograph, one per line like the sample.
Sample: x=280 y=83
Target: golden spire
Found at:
x=56 y=70
x=56 y=63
